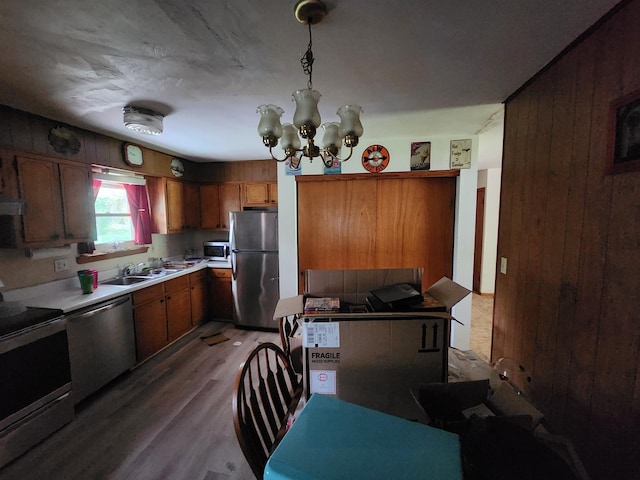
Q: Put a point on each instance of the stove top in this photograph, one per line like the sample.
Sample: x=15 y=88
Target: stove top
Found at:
x=30 y=317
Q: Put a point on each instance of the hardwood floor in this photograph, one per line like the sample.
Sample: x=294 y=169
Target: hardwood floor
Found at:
x=170 y=418
x=481 y=325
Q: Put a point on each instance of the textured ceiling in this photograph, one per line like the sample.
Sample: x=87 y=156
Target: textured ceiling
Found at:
x=436 y=67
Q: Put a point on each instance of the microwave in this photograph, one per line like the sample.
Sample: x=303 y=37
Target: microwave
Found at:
x=217 y=251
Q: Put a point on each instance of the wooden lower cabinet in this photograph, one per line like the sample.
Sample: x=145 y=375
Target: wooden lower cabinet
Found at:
x=163 y=312
x=221 y=294
x=150 y=321
x=198 y=292
x=178 y=300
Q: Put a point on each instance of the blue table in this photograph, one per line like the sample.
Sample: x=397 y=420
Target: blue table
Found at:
x=333 y=439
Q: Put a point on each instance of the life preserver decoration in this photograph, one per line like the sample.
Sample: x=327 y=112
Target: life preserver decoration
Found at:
x=375 y=158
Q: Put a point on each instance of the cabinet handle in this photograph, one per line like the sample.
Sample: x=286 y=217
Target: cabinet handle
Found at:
x=162 y=300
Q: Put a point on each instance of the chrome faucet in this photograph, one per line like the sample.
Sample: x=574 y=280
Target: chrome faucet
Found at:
x=127 y=269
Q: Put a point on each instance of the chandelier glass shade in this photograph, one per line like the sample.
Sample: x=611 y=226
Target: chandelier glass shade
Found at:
x=306 y=118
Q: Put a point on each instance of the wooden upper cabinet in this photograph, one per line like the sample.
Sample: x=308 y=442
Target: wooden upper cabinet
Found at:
x=210 y=205
x=230 y=201
x=39 y=187
x=175 y=206
x=58 y=202
x=377 y=223
x=167 y=204
x=191 y=205
x=77 y=202
x=216 y=201
x=260 y=194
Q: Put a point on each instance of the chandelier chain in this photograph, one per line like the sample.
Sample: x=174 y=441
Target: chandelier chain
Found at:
x=307 y=60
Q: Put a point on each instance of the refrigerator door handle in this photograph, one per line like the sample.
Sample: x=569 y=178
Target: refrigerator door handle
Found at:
x=234 y=271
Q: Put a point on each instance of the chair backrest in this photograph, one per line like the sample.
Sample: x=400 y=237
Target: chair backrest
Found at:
x=287 y=327
x=267 y=392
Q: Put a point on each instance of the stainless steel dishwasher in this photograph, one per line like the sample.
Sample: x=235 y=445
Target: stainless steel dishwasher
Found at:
x=101 y=345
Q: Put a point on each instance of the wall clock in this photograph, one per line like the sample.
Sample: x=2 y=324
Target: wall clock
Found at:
x=133 y=155
x=375 y=158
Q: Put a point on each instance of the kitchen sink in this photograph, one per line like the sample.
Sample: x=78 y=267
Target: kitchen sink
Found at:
x=125 y=280
x=155 y=273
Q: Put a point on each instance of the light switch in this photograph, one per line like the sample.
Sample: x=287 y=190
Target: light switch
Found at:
x=503 y=265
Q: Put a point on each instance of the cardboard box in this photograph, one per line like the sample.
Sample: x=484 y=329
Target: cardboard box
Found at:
x=375 y=359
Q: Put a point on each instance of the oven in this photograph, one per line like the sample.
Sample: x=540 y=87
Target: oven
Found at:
x=216 y=251
x=35 y=380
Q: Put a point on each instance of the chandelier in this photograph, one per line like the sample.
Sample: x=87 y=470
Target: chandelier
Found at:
x=306 y=118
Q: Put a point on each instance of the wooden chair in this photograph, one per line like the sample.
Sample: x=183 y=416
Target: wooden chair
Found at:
x=287 y=327
x=267 y=392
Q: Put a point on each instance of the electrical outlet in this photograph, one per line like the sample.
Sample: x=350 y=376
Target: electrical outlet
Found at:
x=503 y=265
x=60 y=265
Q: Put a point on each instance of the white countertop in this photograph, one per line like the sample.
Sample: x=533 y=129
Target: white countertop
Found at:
x=67 y=296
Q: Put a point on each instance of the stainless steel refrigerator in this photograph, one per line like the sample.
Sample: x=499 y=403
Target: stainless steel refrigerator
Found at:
x=253 y=236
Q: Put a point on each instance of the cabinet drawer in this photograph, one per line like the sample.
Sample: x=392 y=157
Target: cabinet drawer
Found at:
x=221 y=272
x=197 y=277
x=176 y=283
x=147 y=294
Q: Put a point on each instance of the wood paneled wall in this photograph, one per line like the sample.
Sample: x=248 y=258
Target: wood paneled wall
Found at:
x=27 y=133
x=568 y=307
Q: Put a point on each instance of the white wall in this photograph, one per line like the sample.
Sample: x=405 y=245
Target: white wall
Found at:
x=399 y=150
x=490 y=180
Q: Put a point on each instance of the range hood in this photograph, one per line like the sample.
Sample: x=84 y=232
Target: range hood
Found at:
x=10 y=206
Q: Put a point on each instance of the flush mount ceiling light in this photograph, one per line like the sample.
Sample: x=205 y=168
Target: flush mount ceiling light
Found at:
x=142 y=120
x=306 y=118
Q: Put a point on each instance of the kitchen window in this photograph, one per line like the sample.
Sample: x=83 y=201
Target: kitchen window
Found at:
x=113 y=215
x=122 y=210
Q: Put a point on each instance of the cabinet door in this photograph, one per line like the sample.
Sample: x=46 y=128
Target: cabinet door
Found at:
x=337 y=233
x=221 y=294
x=198 y=303
x=199 y=297
x=415 y=226
x=77 y=202
x=150 y=320
x=42 y=219
x=256 y=194
x=260 y=194
x=273 y=193
x=229 y=202
x=377 y=224
x=178 y=313
x=175 y=206
x=191 y=205
x=210 y=205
